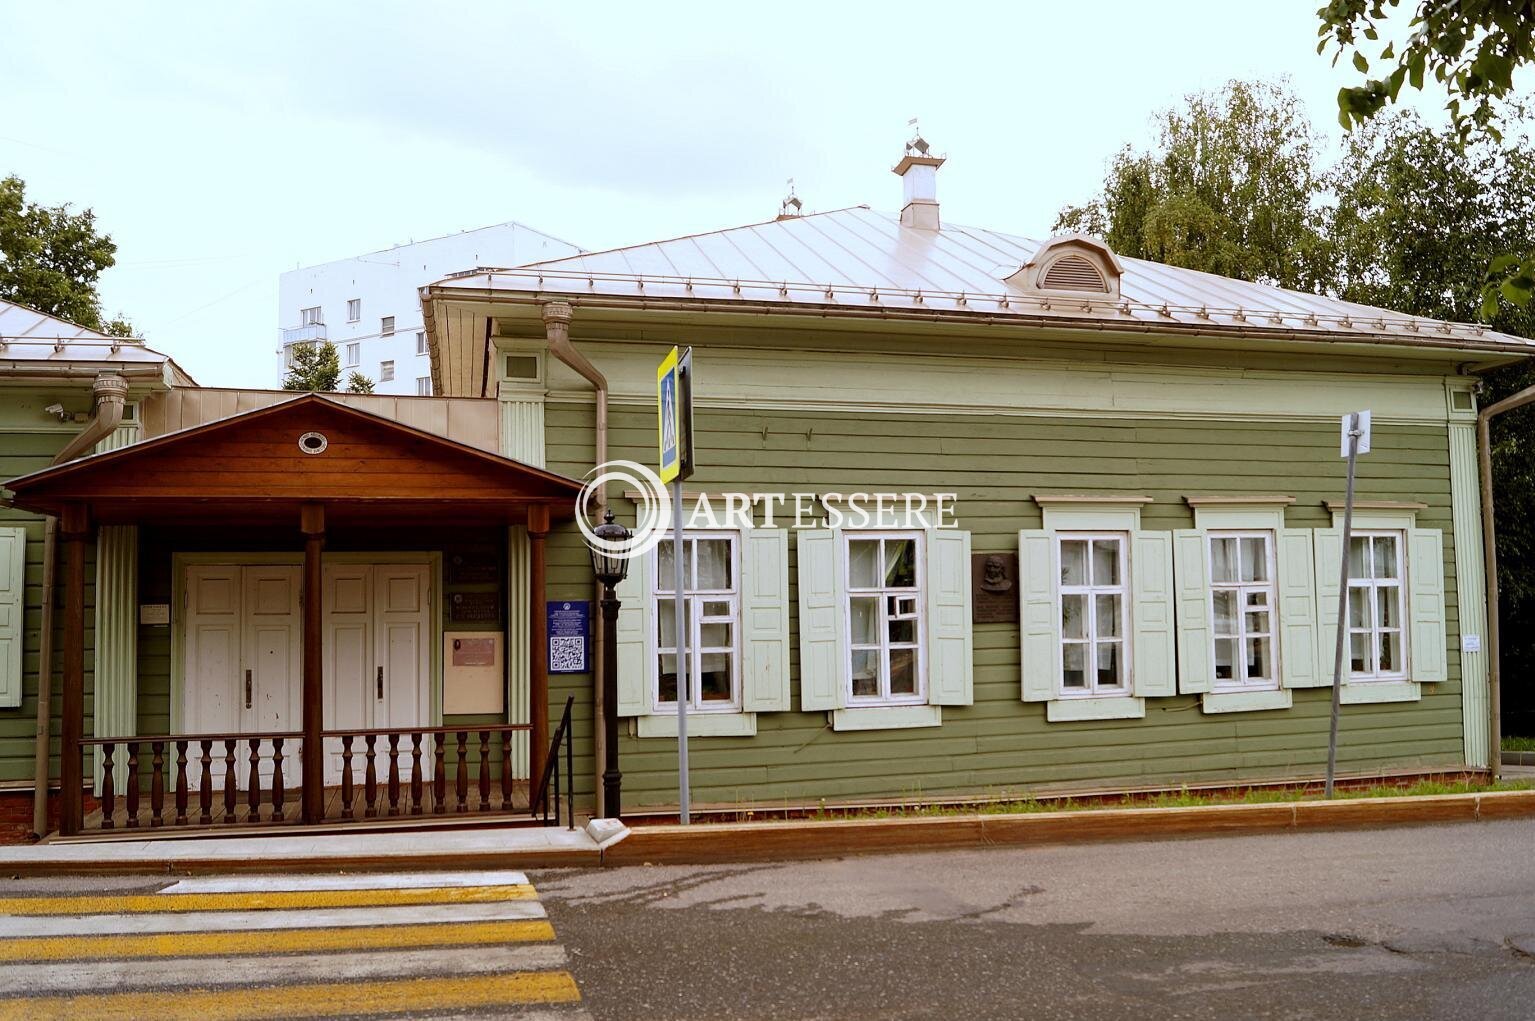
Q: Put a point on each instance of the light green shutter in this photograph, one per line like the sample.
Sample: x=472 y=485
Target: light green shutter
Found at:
x=1196 y=670
x=765 y=620
x=1155 y=669
x=822 y=620
x=949 y=650
x=1426 y=571
x=1040 y=616
x=1300 y=654
x=13 y=571
x=636 y=638
x=1327 y=552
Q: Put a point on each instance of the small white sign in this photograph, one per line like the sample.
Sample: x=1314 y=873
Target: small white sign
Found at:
x=1364 y=432
x=1470 y=643
x=155 y=613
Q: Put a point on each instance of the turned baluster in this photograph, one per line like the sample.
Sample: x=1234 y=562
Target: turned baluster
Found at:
x=253 y=782
x=230 y=779
x=394 y=774
x=484 y=770
x=370 y=779
x=461 y=780
x=205 y=785
x=181 y=783
x=506 y=771
x=157 y=783
x=277 y=791
x=439 y=775
x=108 y=795
x=131 y=788
x=415 y=773
x=347 y=793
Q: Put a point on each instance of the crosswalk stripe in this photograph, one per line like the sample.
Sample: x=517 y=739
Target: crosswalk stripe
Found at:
x=58 y=977
x=396 y=996
x=260 y=901
x=280 y=941
x=212 y=921
x=364 y=881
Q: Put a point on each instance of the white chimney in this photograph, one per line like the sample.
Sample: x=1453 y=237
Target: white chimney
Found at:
x=918 y=171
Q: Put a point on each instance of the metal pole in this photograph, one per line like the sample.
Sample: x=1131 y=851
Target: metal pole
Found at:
x=684 y=690
x=612 y=779
x=1337 y=663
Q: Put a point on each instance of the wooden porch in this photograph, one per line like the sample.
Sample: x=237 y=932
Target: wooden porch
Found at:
x=301 y=469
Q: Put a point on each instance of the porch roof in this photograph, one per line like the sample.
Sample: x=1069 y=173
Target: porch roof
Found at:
x=251 y=468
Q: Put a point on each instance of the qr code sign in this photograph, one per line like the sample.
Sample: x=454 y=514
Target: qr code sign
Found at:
x=567 y=654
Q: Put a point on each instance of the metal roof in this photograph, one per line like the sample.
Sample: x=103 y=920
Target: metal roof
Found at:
x=860 y=259
x=29 y=337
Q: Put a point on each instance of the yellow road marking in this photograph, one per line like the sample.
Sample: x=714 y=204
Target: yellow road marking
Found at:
x=260 y=901
x=393 y=996
x=271 y=941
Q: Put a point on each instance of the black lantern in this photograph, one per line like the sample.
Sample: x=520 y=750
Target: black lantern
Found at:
x=611 y=568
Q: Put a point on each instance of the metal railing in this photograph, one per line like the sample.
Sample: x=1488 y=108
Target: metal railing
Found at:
x=540 y=798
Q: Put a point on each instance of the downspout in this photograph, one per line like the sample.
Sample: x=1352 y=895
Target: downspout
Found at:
x=110 y=392
x=1490 y=568
x=557 y=316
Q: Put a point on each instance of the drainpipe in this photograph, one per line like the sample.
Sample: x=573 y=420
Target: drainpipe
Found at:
x=1490 y=567
x=110 y=392
x=557 y=316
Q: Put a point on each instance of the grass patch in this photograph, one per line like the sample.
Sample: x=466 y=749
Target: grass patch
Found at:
x=1173 y=799
x=1519 y=744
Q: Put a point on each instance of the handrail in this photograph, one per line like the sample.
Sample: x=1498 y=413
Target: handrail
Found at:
x=538 y=797
x=268 y=735
x=462 y=728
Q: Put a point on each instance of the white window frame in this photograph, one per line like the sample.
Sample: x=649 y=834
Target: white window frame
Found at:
x=312 y=316
x=353 y=354
x=421 y=348
x=918 y=613
x=423 y=386
x=353 y=310
x=386 y=371
x=386 y=326
x=1373 y=585
x=1270 y=590
x=661 y=589
x=1094 y=689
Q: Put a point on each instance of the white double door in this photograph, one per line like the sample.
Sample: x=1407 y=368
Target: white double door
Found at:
x=377 y=661
x=243 y=660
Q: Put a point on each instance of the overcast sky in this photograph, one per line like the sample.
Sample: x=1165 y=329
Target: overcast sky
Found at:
x=221 y=144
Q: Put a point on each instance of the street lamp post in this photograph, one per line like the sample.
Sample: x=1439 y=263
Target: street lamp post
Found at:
x=610 y=569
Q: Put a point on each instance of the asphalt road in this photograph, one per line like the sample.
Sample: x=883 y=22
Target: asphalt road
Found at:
x=1399 y=923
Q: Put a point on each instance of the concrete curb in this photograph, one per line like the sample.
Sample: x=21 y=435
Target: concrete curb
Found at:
x=758 y=841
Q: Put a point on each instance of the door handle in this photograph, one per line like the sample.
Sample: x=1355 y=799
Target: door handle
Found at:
x=247 y=689
x=380 y=684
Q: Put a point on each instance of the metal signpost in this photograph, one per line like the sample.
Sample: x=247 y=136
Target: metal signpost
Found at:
x=674 y=406
x=1355 y=441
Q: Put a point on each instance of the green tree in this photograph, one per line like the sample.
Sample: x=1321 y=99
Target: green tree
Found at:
x=52 y=258
x=357 y=383
x=1473 y=49
x=316 y=368
x=1229 y=188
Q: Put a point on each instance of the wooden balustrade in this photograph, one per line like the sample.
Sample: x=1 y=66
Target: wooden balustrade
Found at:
x=180 y=764
x=420 y=771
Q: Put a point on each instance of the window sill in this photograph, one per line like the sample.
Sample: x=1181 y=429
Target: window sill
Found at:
x=1246 y=701
x=1369 y=692
x=699 y=725
x=1113 y=707
x=887 y=717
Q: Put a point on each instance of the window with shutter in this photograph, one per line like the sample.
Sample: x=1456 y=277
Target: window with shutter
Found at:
x=13 y=563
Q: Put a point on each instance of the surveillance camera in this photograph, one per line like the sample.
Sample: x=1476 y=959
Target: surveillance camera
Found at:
x=55 y=409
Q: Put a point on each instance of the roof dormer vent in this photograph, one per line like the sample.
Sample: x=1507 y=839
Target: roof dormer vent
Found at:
x=1071 y=264
x=918 y=171
x=790 y=207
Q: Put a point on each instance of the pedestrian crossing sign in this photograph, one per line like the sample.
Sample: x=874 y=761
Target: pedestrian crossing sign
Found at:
x=674 y=413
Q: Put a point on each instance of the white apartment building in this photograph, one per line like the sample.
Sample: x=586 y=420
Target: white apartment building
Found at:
x=368 y=307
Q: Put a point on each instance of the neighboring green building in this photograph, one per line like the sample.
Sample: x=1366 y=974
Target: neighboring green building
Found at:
x=1159 y=447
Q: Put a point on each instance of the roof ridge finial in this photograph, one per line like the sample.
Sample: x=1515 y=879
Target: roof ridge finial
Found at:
x=790 y=207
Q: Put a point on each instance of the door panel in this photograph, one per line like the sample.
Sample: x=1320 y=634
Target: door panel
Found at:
x=348 y=643
x=273 y=654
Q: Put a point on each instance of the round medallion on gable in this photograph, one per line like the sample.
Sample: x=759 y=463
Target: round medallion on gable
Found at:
x=313 y=443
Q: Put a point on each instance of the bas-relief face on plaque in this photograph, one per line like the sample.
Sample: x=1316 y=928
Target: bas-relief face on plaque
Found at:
x=994 y=588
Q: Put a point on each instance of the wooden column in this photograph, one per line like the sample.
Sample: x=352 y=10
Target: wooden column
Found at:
x=538 y=640
x=312 y=803
x=74 y=529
